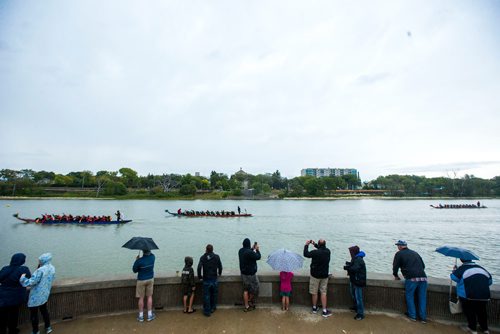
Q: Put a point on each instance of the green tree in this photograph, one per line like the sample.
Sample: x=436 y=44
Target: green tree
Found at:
x=188 y=189
x=129 y=177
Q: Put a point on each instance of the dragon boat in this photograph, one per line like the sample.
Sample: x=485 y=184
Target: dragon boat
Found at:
x=74 y=222
x=457 y=206
x=204 y=214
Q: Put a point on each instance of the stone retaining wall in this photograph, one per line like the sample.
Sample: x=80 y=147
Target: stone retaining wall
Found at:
x=73 y=298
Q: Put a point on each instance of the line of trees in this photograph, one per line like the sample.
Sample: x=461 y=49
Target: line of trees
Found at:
x=127 y=182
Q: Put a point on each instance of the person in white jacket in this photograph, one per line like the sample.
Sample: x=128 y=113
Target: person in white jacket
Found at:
x=40 y=283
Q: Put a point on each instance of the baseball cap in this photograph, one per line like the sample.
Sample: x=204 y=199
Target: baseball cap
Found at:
x=401 y=243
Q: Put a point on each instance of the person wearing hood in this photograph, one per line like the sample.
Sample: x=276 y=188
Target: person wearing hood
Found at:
x=209 y=268
x=12 y=293
x=248 y=257
x=473 y=290
x=320 y=265
x=356 y=269
x=188 y=285
x=40 y=283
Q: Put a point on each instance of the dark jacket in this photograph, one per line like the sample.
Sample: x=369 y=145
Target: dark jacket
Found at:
x=357 y=270
x=473 y=281
x=144 y=267
x=410 y=262
x=187 y=277
x=248 y=259
x=211 y=266
x=320 y=261
x=12 y=293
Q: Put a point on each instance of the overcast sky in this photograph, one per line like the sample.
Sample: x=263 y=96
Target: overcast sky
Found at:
x=407 y=87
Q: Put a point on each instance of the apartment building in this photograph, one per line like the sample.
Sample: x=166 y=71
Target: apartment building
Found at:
x=324 y=172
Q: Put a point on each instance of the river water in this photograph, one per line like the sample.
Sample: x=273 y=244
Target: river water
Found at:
x=374 y=225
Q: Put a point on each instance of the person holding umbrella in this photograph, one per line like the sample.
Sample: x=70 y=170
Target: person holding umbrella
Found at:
x=473 y=290
x=286 y=262
x=144 y=267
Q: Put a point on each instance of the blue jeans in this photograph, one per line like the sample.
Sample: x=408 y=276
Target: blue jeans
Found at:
x=357 y=298
x=420 y=288
x=210 y=289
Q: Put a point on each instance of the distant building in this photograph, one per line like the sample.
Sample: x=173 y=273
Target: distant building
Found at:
x=197 y=174
x=324 y=172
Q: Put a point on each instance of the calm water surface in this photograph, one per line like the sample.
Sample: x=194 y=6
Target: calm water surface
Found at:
x=374 y=225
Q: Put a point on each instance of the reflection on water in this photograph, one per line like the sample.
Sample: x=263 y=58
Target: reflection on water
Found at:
x=372 y=224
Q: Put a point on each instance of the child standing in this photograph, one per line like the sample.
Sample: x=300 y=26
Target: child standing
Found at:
x=285 y=289
x=188 y=285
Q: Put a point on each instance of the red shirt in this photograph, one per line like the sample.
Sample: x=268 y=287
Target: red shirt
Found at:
x=286 y=281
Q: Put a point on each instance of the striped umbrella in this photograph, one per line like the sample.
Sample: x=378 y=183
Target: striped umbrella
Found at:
x=285 y=260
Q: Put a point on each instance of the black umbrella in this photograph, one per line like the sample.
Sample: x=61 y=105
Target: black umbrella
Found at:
x=141 y=243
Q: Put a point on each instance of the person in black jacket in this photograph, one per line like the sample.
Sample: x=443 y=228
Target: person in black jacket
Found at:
x=12 y=293
x=209 y=268
x=412 y=266
x=320 y=265
x=248 y=269
x=356 y=269
x=188 y=285
x=473 y=290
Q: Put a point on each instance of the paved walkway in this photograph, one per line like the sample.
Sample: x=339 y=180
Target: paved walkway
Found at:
x=268 y=319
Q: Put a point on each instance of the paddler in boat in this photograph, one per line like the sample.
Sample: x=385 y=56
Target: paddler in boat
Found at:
x=179 y=211
x=118 y=215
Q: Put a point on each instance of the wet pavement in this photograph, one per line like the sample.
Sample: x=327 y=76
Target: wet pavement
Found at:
x=265 y=319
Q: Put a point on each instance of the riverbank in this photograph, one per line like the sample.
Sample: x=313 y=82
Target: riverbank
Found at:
x=236 y=198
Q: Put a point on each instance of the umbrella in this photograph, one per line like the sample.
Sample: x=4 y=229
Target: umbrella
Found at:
x=457 y=252
x=141 y=243
x=285 y=260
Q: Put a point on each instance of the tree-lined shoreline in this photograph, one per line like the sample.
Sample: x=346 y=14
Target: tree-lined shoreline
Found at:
x=127 y=184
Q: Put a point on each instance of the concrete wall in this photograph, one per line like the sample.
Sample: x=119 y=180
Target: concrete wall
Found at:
x=73 y=298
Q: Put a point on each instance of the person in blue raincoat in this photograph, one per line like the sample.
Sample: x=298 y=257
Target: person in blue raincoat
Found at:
x=40 y=283
x=12 y=293
x=473 y=290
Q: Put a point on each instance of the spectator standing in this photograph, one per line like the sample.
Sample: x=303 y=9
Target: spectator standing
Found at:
x=356 y=269
x=40 y=283
x=320 y=265
x=473 y=290
x=209 y=268
x=248 y=257
x=413 y=269
x=285 y=289
x=144 y=267
x=12 y=293
x=188 y=285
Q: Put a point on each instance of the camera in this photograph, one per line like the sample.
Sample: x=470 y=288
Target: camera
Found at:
x=312 y=242
x=347 y=265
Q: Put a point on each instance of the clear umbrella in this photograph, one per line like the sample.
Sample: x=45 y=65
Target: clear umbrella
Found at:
x=285 y=260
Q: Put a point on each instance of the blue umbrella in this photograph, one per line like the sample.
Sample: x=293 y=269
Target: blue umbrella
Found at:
x=285 y=260
x=457 y=252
